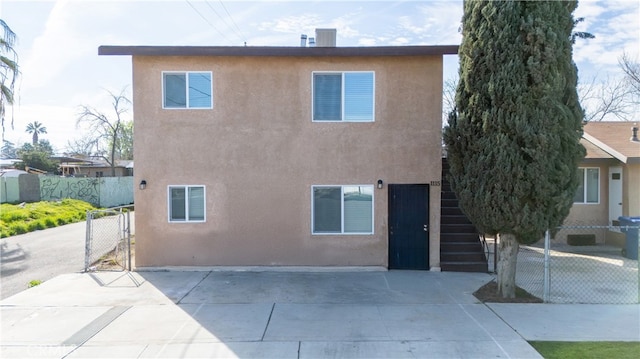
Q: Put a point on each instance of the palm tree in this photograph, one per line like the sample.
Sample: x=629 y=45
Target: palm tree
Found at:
x=35 y=128
x=8 y=69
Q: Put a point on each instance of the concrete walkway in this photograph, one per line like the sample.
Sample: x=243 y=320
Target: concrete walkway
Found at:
x=394 y=314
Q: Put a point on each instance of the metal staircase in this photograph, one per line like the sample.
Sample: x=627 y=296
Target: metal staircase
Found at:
x=461 y=248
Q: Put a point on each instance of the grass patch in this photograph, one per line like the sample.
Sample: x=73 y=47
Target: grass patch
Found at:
x=587 y=350
x=34 y=283
x=29 y=217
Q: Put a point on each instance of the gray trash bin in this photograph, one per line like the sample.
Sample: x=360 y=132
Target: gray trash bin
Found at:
x=632 y=236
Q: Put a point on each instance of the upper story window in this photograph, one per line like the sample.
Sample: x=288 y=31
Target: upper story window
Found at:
x=187 y=90
x=589 y=188
x=343 y=96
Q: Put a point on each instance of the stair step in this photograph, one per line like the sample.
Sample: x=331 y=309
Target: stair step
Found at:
x=447 y=202
x=454 y=247
x=448 y=195
x=459 y=219
x=464 y=267
x=459 y=237
x=462 y=256
x=451 y=211
x=458 y=228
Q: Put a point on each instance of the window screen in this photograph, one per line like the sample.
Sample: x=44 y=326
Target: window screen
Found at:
x=187 y=204
x=588 y=190
x=342 y=209
x=187 y=90
x=347 y=96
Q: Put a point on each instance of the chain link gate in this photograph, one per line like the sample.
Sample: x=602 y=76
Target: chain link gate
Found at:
x=108 y=240
x=559 y=271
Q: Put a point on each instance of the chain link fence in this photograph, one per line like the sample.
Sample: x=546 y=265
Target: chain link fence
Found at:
x=108 y=239
x=583 y=264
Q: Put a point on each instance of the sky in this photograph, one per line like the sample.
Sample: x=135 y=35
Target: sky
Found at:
x=58 y=42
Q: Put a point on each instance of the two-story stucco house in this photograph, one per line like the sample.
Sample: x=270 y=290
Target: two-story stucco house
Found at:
x=287 y=156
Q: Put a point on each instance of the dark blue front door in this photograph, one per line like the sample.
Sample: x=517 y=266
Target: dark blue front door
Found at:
x=408 y=226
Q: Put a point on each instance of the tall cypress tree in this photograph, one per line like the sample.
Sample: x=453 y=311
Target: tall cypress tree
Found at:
x=513 y=142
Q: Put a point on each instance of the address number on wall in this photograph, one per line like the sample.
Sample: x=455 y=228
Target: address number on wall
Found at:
x=435 y=183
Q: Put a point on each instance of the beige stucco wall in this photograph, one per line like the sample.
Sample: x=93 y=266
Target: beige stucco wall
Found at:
x=631 y=190
x=258 y=153
x=591 y=214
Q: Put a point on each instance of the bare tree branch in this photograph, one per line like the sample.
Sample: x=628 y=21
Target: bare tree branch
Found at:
x=105 y=130
x=605 y=99
x=631 y=68
x=448 y=97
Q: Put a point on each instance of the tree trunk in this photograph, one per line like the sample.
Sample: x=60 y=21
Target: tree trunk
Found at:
x=507 y=258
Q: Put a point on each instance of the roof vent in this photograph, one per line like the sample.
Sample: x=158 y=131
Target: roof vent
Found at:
x=312 y=42
x=303 y=40
x=634 y=134
x=326 y=37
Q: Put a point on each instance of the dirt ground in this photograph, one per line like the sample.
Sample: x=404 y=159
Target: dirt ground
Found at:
x=112 y=262
x=488 y=293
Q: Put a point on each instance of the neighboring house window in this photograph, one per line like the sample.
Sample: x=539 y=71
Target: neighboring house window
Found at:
x=589 y=188
x=187 y=90
x=186 y=204
x=342 y=209
x=343 y=96
x=99 y=174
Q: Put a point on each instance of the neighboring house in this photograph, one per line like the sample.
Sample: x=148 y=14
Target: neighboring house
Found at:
x=610 y=184
x=8 y=163
x=287 y=156
x=70 y=167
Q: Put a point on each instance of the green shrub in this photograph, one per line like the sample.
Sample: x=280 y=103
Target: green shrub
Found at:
x=18 y=228
x=36 y=225
x=34 y=283
x=50 y=222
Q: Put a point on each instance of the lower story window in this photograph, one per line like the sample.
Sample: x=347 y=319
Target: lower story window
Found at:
x=589 y=186
x=186 y=204
x=342 y=209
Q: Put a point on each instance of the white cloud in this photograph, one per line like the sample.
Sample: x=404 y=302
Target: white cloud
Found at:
x=55 y=48
x=400 y=41
x=615 y=26
x=291 y=24
x=366 y=41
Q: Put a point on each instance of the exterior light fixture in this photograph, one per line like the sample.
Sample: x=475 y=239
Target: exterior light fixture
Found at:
x=143 y=184
x=380 y=183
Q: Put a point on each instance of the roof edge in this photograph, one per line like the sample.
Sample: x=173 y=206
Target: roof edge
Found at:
x=277 y=50
x=605 y=148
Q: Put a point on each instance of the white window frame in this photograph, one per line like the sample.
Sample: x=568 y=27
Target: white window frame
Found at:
x=342 y=94
x=586 y=185
x=342 y=232
x=186 y=73
x=186 y=199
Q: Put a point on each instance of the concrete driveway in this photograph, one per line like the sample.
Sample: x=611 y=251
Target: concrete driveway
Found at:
x=222 y=314
x=215 y=314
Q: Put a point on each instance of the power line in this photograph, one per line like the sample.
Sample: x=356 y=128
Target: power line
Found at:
x=232 y=21
x=208 y=22
x=225 y=21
